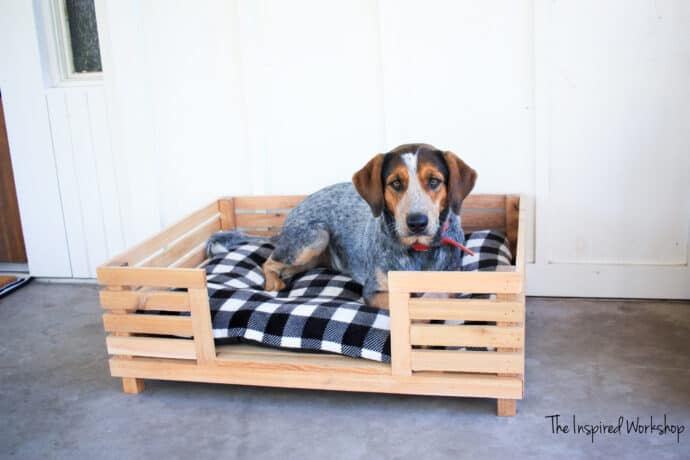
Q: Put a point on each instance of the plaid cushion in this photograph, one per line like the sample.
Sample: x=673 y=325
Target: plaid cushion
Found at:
x=320 y=310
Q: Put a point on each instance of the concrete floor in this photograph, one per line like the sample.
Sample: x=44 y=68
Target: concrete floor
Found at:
x=596 y=359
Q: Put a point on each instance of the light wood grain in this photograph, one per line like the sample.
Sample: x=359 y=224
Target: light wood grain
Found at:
x=422 y=383
x=148 y=324
x=151 y=346
x=149 y=247
x=465 y=336
x=253 y=203
x=456 y=282
x=520 y=260
x=506 y=407
x=484 y=201
x=260 y=220
x=193 y=259
x=253 y=357
x=466 y=309
x=148 y=300
x=150 y=276
x=201 y=322
x=466 y=361
x=184 y=245
x=400 y=332
x=483 y=219
x=132 y=386
x=262 y=232
x=226 y=207
x=512 y=220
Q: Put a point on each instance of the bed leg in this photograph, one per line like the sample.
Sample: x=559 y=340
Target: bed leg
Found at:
x=506 y=407
x=132 y=385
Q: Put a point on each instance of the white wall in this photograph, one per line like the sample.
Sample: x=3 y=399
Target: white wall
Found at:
x=91 y=202
x=613 y=149
x=582 y=106
x=287 y=97
x=30 y=142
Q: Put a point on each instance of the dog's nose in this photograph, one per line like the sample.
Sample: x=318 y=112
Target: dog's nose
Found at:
x=417 y=222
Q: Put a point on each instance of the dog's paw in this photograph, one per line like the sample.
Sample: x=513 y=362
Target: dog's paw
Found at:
x=273 y=282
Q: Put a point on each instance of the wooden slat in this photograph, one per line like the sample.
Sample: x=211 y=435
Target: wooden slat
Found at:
x=521 y=238
x=455 y=282
x=465 y=336
x=150 y=276
x=483 y=219
x=512 y=220
x=400 y=332
x=150 y=246
x=147 y=300
x=260 y=220
x=420 y=383
x=226 y=207
x=201 y=322
x=252 y=203
x=253 y=357
x=484 y=201
x=468 y=310
x=262 y=232
x=184 y=245
x=193 y=259
x=148 y=324
x=151 y=346
x=466 y=361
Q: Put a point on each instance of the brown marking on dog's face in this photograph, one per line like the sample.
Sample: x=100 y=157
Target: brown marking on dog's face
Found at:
x=417 y=180
x=396 y=181
x=434 y=182
x=461 y=180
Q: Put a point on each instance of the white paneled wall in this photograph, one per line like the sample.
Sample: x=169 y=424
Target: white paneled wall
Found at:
x=28 y=127
x=88 y=184
x=612 y=149
x=619 y=155
x=287 y=97
x=582 y=106
x=458 y=74
x=315 y=90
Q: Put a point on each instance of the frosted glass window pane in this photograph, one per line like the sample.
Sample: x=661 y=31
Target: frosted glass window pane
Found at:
x=86 y=54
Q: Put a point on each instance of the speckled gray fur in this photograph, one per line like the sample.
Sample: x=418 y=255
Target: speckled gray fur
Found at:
x=360 y=244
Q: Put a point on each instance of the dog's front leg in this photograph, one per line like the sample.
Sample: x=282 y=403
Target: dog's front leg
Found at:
x=378 y=300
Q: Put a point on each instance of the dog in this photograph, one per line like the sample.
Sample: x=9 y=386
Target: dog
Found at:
x=394 y=215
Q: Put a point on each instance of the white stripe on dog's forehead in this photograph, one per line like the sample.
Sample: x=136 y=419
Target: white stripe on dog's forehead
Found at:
x=410 y=160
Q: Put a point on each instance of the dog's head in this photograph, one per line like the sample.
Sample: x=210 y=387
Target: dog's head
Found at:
x=414 y=185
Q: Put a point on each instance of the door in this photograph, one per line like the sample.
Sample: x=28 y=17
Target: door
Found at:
x=12 y=248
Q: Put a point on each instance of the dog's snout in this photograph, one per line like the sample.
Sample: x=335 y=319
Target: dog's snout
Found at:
x=417 y=222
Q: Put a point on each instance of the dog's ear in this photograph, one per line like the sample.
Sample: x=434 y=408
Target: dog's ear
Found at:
x=368 y=184
x=460 y=181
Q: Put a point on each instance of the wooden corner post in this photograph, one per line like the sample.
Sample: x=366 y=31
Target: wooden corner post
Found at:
x=201 y=325
x=400 y=329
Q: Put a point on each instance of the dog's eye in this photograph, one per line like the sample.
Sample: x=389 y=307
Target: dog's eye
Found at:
x=434 y=183
x=396 y=184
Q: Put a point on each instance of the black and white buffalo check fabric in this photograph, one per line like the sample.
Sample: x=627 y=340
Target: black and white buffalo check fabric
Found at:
x=320 y=310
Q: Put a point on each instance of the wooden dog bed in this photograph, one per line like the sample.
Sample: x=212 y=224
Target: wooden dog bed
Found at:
x=165 y=273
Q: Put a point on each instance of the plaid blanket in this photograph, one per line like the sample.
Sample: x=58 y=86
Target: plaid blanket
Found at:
x=320 y=310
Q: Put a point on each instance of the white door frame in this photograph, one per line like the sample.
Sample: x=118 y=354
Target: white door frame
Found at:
x=31 y=148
